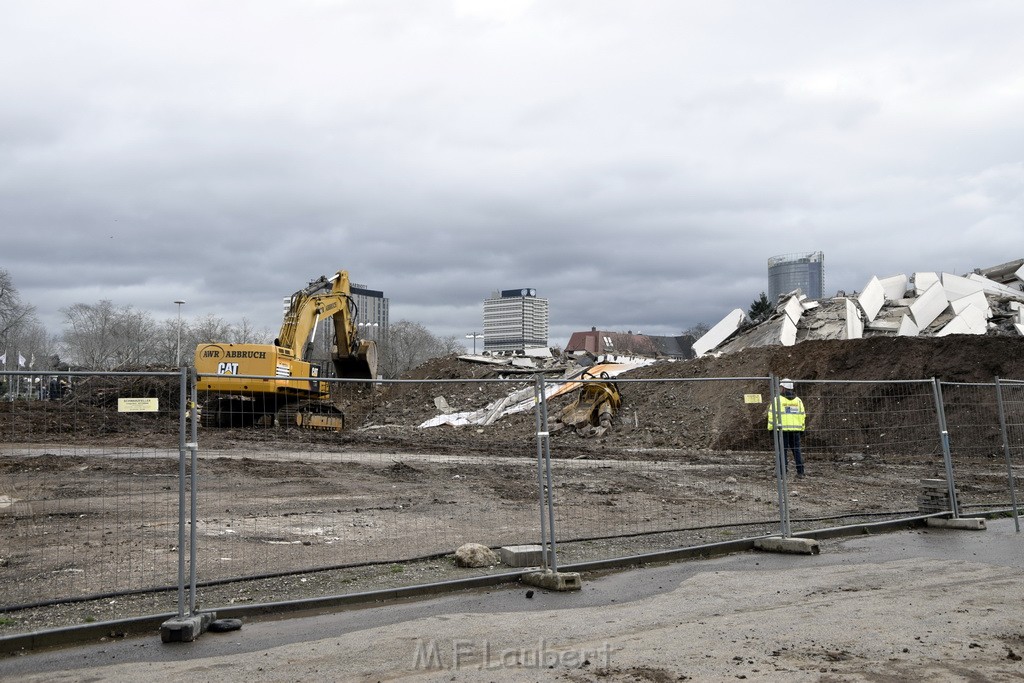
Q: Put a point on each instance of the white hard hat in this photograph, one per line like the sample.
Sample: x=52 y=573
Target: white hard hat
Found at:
x=786 y=384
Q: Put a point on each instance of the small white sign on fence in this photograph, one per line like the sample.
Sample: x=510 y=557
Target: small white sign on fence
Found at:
x=138 y=405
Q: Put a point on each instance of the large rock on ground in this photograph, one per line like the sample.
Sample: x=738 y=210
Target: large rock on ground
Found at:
x=475 y=555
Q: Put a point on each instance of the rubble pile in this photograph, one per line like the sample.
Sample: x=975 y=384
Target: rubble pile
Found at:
x=926 y=304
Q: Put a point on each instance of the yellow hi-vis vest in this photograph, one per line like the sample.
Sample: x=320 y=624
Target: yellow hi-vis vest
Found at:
x=793 y=415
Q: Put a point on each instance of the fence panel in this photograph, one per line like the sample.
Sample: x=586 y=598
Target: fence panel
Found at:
x=88 y=487
x=976 y=442
x=868 y=447
x=277 y=499
x=708 y=476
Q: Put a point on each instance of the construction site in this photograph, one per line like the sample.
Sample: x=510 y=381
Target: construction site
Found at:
x=648 y=455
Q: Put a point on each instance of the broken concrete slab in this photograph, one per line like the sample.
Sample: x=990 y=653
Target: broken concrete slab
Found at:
x=793 y=309
x=854 y=325
x=908 y=328
x=894 y=286
x=957 y=287
x=993 y=287
x=923 y=281
x=879 y=325
x=787 y=335
x=872 y=299
x=720 y=332
x=977 y=299
x=970 y=321
x=929 y=305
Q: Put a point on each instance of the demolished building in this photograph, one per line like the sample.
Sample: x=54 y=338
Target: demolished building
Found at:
x=932 y=304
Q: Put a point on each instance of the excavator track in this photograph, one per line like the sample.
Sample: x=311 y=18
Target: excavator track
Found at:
x=311 y=415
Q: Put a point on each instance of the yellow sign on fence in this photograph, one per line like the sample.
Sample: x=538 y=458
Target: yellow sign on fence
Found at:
x=751 y=398
x=138 y=405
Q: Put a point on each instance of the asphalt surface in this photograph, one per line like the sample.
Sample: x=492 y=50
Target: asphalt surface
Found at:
x=396 y=648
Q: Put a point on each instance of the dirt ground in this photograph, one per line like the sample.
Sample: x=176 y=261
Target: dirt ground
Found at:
x=684 y=464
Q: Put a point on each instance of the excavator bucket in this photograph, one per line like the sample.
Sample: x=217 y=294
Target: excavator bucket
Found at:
x=360 y=365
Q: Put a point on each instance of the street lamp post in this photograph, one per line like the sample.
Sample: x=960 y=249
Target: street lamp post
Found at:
x=474 y=336
x=178 y=352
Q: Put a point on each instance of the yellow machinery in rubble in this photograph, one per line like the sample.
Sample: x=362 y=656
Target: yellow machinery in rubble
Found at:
x=590 y=414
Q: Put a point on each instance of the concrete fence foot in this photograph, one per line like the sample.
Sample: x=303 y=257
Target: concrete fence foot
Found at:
x=554 y=581
x=799 y=546
x=186 y=629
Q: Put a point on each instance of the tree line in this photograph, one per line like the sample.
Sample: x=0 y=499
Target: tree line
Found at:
x=107 y=336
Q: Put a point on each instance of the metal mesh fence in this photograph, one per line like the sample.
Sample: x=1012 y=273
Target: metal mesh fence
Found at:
x=89 y=486
x=90 y=481
x=869 y=448
x=320 y=499
x=981 y=457
x=705 y=477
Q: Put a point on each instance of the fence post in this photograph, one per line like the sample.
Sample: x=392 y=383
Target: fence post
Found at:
x=780 y=456
x=1006 y=450
x=544 y=480
x=548 y=479
x=182 y=399
x=947 y=457
x=193 y=447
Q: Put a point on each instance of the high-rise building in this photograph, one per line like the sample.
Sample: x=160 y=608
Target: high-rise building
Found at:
x=371 y=320
x=515 y=319
x=805 y=272
x=371 y=312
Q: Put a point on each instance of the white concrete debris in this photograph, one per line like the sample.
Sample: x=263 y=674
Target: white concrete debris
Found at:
x=993 y=287
x=854 y=325
x=908 y=328
x=957 y=287
x=872 y=299
x=929 y=305
x=972 y=320
x=720 y=332
x=922 y=281
x=524 y=399
x=938 y=304
x=895 y=287
x=977 y=300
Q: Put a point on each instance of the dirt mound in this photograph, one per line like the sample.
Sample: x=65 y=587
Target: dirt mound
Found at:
x=698 y=416
x=695 y=416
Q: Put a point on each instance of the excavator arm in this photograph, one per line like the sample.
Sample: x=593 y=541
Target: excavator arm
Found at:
x=354 y=358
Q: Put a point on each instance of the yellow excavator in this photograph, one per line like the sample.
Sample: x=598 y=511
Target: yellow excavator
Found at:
x=276 y=384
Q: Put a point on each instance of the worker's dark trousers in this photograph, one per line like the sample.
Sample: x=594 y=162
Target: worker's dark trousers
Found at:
x=791 y=442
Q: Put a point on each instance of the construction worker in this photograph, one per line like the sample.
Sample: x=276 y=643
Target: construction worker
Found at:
x=791 y=423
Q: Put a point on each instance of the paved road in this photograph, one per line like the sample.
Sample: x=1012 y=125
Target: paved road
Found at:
x=925 y=604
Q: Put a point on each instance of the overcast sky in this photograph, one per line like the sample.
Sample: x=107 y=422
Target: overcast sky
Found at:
x=635 y=162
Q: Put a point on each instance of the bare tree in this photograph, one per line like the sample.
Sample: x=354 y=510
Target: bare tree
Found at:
x=15 y=316
x=102 y=336
x=408 y=345
x=245 y=333
x=90 y=334
x=697 y=331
